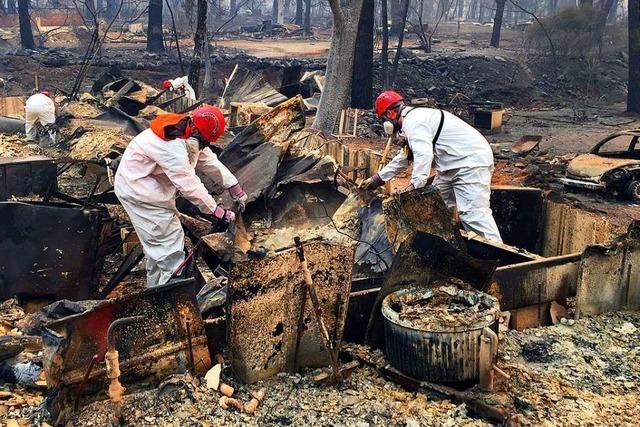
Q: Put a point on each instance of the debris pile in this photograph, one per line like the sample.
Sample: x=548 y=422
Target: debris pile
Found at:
x=13 y=146
x=447 y=305
x=587 y=371
x=269 y=303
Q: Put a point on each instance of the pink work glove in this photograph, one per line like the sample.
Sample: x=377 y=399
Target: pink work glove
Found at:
x=224 y=214
x=239 y=196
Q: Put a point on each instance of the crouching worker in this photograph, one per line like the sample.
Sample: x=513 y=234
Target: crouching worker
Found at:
x=40 y=108
x=180 y=85
x=157 y=163
x=463 y=159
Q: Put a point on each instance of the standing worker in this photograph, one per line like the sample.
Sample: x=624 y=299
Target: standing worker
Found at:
x=40 y=108
x=157 y=163
x=463 y=159
x=180 y=85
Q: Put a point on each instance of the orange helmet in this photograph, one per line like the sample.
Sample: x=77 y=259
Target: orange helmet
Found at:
x=209 y=122
x=387 y=100
x=166 y=84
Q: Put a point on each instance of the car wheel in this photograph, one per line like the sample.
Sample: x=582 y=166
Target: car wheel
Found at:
x=633 y=190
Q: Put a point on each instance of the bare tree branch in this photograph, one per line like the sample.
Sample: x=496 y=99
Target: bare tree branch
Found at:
x=175 y=35
x=546 y=33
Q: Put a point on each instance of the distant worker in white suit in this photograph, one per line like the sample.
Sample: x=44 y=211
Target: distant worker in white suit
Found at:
x=180 y=85
x=40 y=108
x=462 y=156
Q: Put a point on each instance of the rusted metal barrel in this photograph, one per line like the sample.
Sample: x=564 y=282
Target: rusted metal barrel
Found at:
x=442 y=354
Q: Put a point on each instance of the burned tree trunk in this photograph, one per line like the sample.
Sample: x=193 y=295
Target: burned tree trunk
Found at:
x=600 y=21
x=497 y=23
x=473 y=9
x=633 y=94
x=90 y=11
x=396 y=60
x=362 y=88
x=613 y=13
x=299 y=12
x=307 y=16
x=395 y=7
x=337 y=87
x=26 y=36
x=233 y=7
x=155 y=43
x=278 y=11
x=199 y=39
x=384 y=54
x=112 y=9
x=11 y=7
x=189 y=5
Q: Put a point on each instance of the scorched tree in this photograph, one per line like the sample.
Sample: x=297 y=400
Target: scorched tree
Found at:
x=337 y=87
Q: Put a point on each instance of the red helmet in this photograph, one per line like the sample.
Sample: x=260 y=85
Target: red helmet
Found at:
x=166 y=84
x=209 y=122
x=46 y=92
x=386 y=100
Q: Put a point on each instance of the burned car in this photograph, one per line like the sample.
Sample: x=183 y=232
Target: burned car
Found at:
x=611 y=166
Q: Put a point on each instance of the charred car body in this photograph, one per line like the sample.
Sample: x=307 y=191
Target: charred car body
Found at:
x=611 y=166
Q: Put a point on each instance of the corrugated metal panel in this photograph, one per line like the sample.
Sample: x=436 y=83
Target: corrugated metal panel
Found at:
x=436 y=357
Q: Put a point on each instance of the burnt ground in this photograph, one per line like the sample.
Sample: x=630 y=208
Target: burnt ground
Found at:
x=585 y=374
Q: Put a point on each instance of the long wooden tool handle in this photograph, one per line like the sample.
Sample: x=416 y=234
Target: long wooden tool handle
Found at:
x=385 y=154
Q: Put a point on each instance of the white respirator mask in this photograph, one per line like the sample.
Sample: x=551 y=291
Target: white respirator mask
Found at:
x=389 y=128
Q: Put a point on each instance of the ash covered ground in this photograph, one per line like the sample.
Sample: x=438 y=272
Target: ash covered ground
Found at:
x=584 y=374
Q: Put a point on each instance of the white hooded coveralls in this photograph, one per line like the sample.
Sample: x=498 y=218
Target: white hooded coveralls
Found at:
x=182 y=84
x=39 y=108
x=463 y=159
x=150 y=173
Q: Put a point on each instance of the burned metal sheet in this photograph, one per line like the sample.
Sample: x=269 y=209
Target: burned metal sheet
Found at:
x=11 y=126
x=277 y=126
x=420 y=210
x=115 y=117
x=609 y=277
x=567 y=229
x=518 y=213
x=308 y=169
x=526 y=144
x=51 y=250
x=160 y=343
x=255 y=154
x=25 y=176
x=304 y=206
x=483 y=248
x=265 y=308
x=421 y=259
x=245 y=85
x=535 y=282
x=373 y=252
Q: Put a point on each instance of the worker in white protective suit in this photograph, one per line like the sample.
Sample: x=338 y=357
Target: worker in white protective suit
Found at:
x=180 y=85
x=463 y=159
x=161 y=161
x=40 y=108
